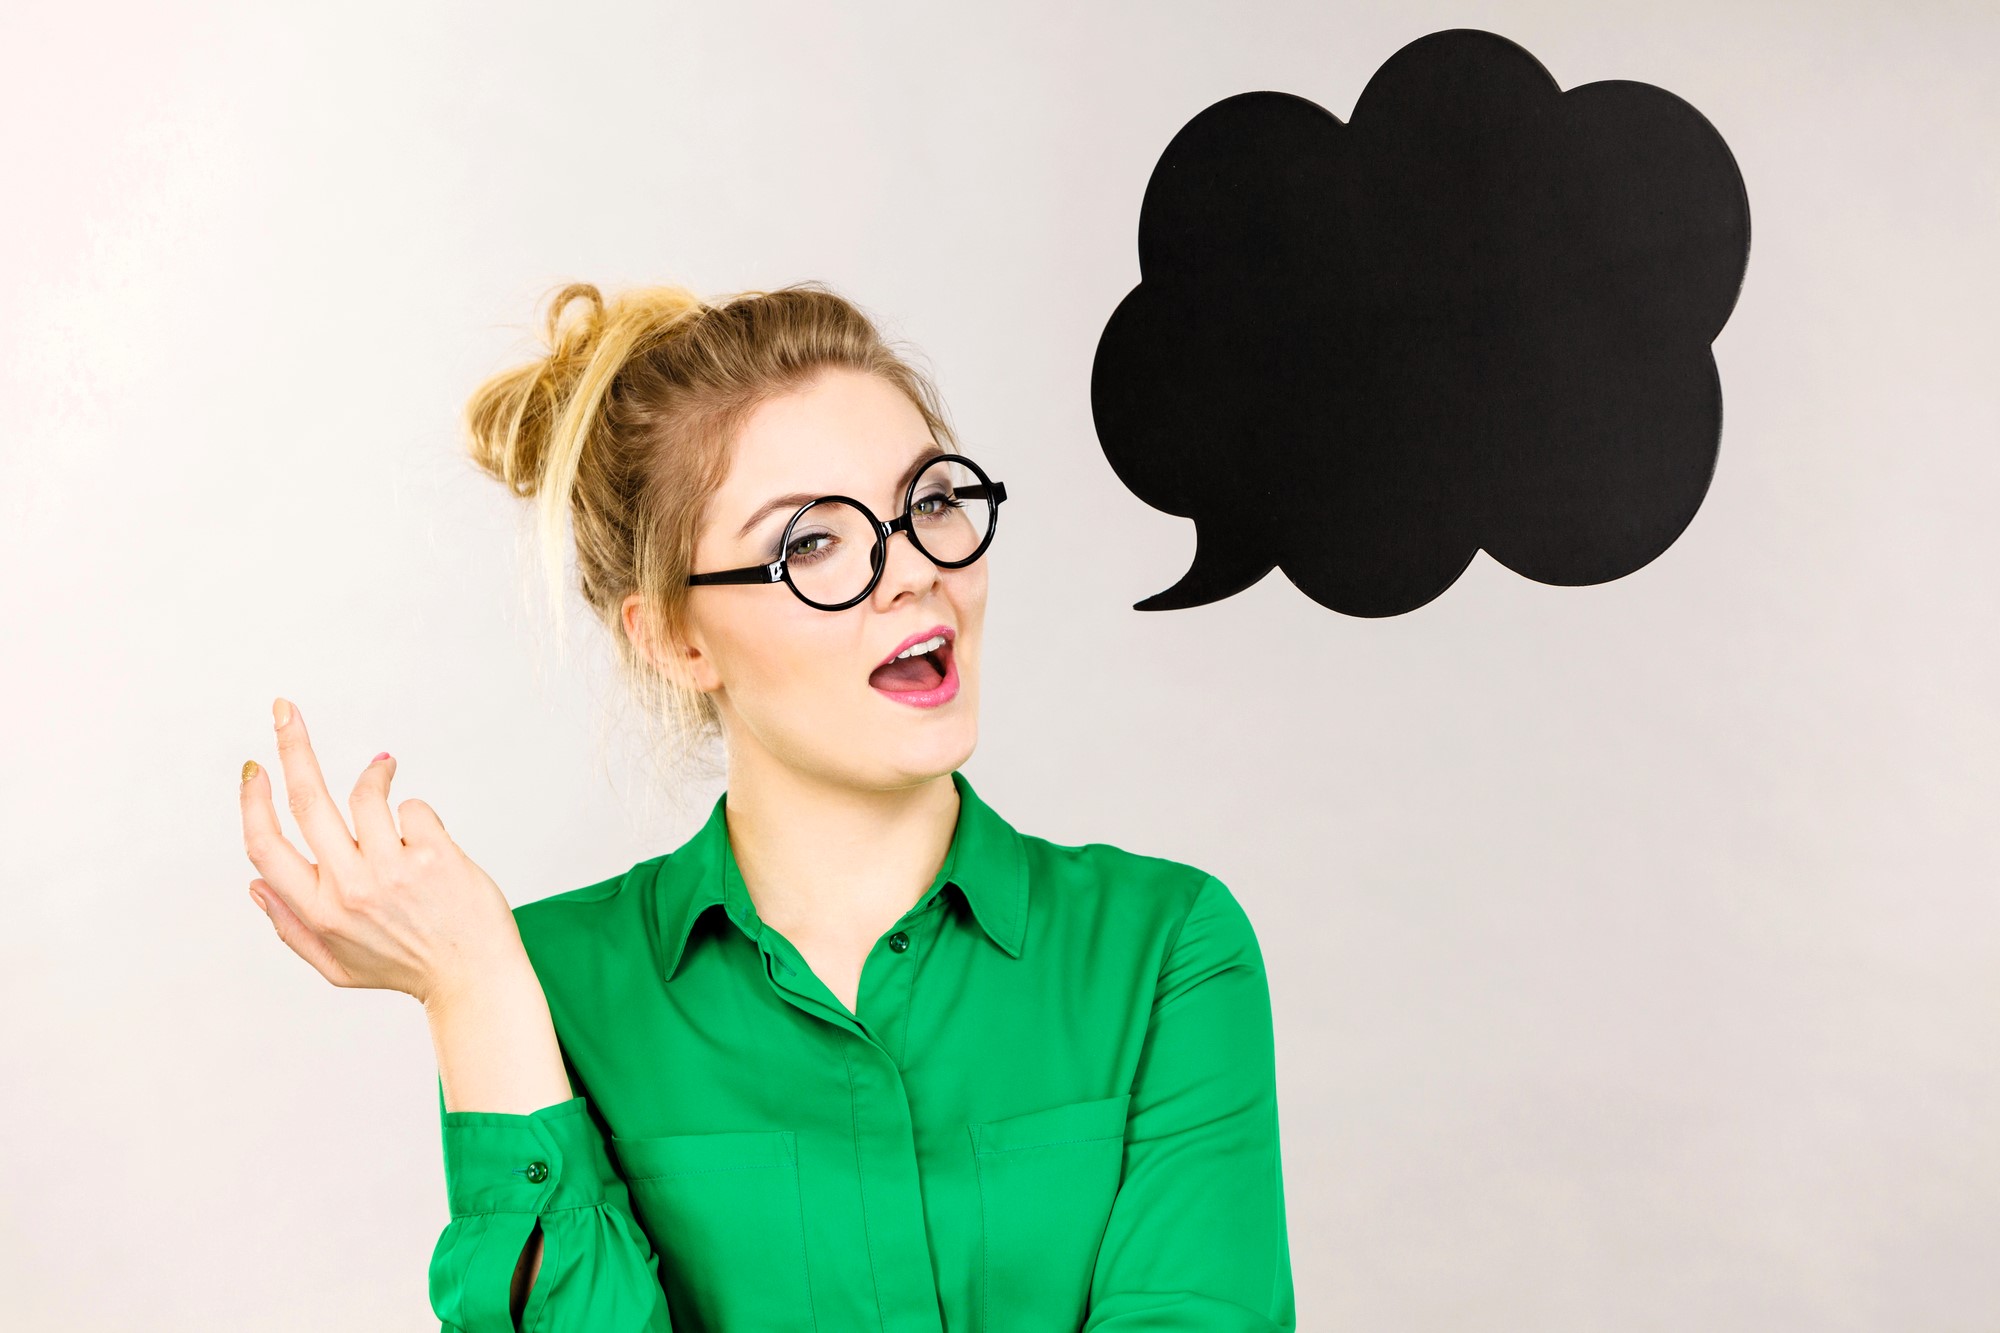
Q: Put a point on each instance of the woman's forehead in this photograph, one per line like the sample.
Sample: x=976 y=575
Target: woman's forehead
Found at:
x=838 y=404
x=853 y=435
x=841 y=432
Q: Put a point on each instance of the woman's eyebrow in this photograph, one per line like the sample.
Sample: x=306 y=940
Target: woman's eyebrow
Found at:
x=793 y=499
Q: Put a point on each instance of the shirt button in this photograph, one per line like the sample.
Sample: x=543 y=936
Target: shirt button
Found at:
x=537 y=1172
x=899 y=941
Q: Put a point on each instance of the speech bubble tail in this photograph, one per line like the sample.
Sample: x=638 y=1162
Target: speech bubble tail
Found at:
x=1221 y=568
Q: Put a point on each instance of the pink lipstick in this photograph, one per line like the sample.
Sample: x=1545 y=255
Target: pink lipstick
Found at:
x=922 y=680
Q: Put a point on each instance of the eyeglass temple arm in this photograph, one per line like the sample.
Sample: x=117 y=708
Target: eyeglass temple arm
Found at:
x=770 y=573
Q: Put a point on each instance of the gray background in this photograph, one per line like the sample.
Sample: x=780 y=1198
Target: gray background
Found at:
x=1634 y=947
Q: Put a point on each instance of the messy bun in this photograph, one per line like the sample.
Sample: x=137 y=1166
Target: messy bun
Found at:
x=623 y=428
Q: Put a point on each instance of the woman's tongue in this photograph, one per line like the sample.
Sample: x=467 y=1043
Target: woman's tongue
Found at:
x=907 y=673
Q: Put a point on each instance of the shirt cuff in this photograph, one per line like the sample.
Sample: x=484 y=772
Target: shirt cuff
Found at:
x=495 y=1162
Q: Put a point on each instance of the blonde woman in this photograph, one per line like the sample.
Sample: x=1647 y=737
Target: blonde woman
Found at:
x=858 y=1054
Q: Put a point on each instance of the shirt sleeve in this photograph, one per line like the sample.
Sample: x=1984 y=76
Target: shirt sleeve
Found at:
x=503 y=1175
x=1196 y=1239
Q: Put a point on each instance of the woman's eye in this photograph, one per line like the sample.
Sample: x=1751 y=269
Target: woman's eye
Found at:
x=933 y=505
x=804 y=549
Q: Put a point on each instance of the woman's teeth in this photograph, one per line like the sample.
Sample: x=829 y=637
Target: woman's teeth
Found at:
x=932 y=644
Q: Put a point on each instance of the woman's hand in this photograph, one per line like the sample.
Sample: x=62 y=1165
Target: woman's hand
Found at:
x=381 y=909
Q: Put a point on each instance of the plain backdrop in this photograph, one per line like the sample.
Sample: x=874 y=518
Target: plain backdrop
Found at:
x=1635 y=948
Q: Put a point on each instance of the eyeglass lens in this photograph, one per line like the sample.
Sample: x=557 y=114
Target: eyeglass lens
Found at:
x=834 y=549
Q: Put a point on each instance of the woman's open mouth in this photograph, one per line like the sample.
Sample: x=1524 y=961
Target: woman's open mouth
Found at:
x=922 y=679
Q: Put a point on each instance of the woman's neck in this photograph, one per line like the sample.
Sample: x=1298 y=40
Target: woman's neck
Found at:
x=831 y=862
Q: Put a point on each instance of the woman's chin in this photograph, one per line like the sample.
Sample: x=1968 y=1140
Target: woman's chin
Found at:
x=938 y=747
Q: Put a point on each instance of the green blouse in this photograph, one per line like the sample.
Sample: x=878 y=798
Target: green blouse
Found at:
x=1055 y=1110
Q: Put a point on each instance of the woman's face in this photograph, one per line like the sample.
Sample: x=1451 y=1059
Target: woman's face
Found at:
x=799 y=685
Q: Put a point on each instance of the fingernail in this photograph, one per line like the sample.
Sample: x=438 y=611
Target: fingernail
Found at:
x=380 y=757
x=258 y=898
x=249 y=769
x=281 y=712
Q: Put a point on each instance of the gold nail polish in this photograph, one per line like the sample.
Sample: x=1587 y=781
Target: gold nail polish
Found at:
x=249 y=769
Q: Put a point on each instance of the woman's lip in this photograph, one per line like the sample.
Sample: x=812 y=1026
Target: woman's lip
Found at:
x=942 y=693
x=919 y=637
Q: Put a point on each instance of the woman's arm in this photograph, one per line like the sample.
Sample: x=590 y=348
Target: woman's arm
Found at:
x=1197 y=1241
x=403 y=908
x=497 y=1051
x=496 y=1044
x=541 y=1235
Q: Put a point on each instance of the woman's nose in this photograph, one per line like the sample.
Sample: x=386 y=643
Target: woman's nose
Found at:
x=904 y=566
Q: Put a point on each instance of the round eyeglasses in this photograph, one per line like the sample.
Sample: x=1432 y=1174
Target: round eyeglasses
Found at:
x=834 y=548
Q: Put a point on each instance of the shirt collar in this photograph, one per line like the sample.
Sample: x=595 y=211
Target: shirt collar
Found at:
x=986 y=863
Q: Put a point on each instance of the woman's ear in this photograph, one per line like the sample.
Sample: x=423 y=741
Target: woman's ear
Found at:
x=632 y=617
x=682 y=662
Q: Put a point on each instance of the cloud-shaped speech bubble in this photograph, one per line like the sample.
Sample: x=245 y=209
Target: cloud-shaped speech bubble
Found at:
x=1476 y=316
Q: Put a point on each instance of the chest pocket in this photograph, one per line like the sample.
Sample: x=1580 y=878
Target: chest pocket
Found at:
x=726 y=1217
x=1046 y=1183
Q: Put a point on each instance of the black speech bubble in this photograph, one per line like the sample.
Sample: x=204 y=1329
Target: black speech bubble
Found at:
x=1477 y=315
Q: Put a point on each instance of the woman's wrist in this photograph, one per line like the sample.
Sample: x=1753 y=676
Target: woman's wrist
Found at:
x=496 y=1042
x=477 y=985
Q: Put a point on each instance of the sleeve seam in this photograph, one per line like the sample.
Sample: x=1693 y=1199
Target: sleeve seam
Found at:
x=1179 y=928
x=512 y=1120
x=528 y=1212
x=1199 y=986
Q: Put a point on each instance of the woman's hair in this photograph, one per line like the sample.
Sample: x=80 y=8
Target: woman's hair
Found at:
x=625 y=427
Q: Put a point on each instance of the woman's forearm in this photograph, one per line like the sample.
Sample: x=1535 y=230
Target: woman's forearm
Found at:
x=497 y=1051
x=496 y=1044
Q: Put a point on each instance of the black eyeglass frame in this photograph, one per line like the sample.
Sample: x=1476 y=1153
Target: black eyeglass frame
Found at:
x=777 y=572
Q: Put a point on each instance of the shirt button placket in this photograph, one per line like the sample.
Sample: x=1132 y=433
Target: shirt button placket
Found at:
x=887 y=980
x=890 y=1181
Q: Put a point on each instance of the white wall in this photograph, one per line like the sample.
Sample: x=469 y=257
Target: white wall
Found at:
x=1636 y=948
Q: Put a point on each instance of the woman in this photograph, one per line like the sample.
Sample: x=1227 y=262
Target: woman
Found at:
x=858 y=1054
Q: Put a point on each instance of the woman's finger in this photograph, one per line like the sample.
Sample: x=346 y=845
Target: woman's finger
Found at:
x=298 y=937
x=305 y=791
x=421 y=823
x=291 y=876
x=374 y=825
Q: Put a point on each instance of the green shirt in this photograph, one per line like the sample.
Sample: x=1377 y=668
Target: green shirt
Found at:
x=1054 y=1110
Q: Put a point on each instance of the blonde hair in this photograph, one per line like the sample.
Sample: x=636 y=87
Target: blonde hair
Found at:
x=624 y=427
